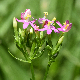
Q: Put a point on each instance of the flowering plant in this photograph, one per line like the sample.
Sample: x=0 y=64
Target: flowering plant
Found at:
x=33 y=47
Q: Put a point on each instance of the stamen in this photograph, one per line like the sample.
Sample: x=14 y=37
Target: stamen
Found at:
x=49 y=23
x=64 y=23
x=28 y=15
x=54 y=19
x=45 y=13
x=67 y=26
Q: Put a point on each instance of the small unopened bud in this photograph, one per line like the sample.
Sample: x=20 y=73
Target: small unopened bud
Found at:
x=14 y=23
x=31 y=30
x=60 y=40
x=41 y=34
x=19 y=31
x=23 y=33
x=56 y=49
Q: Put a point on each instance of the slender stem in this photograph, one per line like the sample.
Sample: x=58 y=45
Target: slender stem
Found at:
x=47 y=70
x=32 y=72
x=22 y=51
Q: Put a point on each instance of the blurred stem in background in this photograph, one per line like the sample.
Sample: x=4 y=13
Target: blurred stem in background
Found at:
x=46 y=73
x=32 y=71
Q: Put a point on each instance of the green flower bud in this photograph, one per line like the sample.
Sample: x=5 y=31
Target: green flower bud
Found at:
x=31 y=30
x=14 y=23
x=15 y=29
x=60 y=40
x=41 y=34
x=57 y=47
x=22 y=33
x=19 y=31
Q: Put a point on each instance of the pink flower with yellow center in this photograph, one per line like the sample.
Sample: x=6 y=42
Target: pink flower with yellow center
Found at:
x=25 y=18
x=42 y=20
x=49 y=27
x=66 y=27
x=26 y=15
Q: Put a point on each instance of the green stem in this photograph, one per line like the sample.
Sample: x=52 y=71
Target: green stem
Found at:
x=32 y=71
x=22 y=51
x=47 y=70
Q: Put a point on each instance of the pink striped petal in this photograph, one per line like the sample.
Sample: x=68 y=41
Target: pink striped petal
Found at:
x=59 y=24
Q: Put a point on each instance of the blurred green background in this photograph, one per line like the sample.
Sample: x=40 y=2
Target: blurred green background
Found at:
x=67 y=65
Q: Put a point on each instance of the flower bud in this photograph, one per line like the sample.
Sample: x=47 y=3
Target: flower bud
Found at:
x=56 y=49
x=19 y=31
x=31 y=30
x=60 y=40
x=22 y=33
x=41 y=34
x=14 y=23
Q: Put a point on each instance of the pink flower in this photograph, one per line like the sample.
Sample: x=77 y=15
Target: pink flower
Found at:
x=42 y=20
x=49 y=27
x=25 y=18
x=66 y=27
x=25 y=23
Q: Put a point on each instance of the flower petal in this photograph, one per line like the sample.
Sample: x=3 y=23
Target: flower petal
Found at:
x=40 y=20
x=25 y=25
x=67 y=21
x=31 y=22
x=46 y=26
x=70 y=24
x=60 y=29
x=43 y=29
x=20 y=20
x=49 y=31
x=59 y=24
x=22 y=14
x=55 y=30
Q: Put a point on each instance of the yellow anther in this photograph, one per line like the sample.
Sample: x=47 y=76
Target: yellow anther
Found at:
x=54 y=19
x=46 y=13
x=64 y=23
x=28 y=15
x=49 y=23
x=66 y=26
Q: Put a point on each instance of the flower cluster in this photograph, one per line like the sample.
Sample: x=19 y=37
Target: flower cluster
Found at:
x=33 y=46
x=46 y=24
